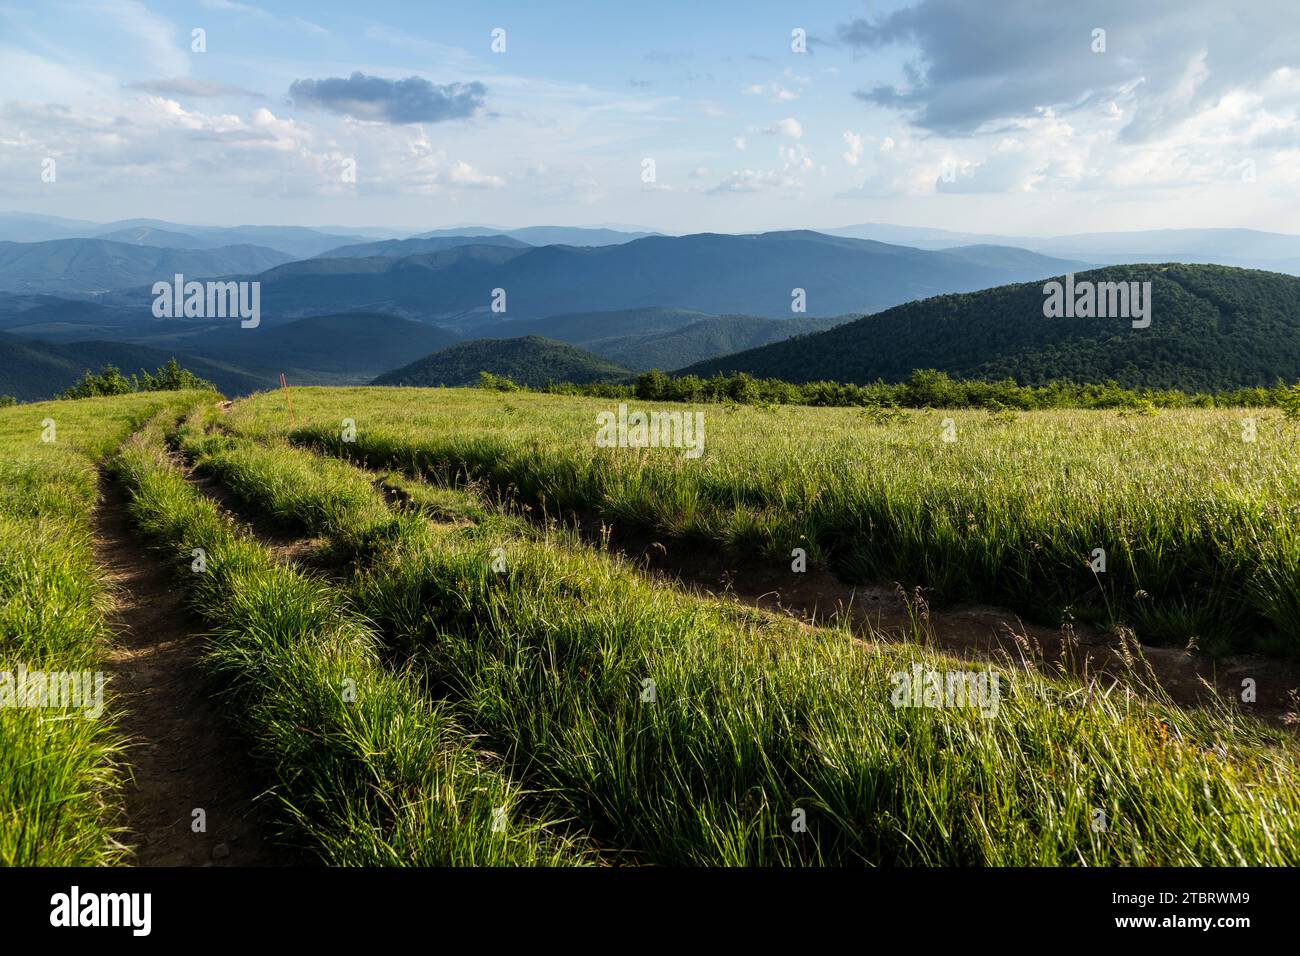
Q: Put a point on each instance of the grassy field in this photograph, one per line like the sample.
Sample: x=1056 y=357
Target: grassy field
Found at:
x=60 y=768
x=1197 y=523
x=366 y=771
x=546 y=649
x=445 y=680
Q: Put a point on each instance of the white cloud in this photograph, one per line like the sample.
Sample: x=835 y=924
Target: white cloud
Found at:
x=853 y=141
x=156 y=35
x=795 y=162
x=789 y=126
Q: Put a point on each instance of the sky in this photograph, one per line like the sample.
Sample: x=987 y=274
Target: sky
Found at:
x=1015 y=117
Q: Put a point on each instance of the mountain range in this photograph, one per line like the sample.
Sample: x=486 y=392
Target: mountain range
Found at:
x=351 y=305
x=89 y=266
x=1246 y=248
x=1212 y=327
x=531 y=361
x=719 y=274
x=33 y=371
x=642 y=339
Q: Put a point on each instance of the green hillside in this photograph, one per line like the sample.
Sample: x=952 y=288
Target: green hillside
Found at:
x=715 y=336
x=660 y=338
x=528 y=361
x=32 y=370
x=351 y=348
x=1212 y=327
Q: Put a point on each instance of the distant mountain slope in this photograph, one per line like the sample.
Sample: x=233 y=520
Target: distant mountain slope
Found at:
x=665 y=339
x=528 y=361
x=1246 y=248
x=96 y=265
x=31 y=370
x=581 y=327
x=326 y=349
x=293 y=241
x=162 y=238
x=715 y=336
x=397 y=248
x=719 y=274
x=348 y=348
x=1212 y=327
x=547 y=235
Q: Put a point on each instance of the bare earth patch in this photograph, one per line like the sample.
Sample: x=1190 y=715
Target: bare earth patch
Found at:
x=183 y=754
x=879 y=613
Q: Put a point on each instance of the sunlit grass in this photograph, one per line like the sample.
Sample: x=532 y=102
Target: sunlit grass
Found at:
x=366 y=770
x=1198 y=525
x=546 y=648
x=60 y=770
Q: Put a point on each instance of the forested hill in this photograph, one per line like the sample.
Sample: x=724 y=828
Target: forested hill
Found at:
x=1211 y=327
x=530 y=360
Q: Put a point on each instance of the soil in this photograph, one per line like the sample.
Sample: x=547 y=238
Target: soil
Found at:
x=182 y=753
x=878 y=613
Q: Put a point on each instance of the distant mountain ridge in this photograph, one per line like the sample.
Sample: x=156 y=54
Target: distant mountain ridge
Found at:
x=666 y=339
x=85 y=266
x=718 y=274
x=296 y=241
x=1244 y=248
x=31 y=370
x=548 y=235
x=1212 y=327
x=530 y=361
x=418 y=246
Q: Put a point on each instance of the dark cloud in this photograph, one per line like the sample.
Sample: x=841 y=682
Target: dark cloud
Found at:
x=412 y=100
x=978 y=63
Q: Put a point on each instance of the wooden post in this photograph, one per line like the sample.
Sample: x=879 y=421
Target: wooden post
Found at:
x=285 y=385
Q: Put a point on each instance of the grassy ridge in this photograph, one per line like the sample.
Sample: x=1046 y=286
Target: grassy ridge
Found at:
x=367 y=772
x=1200 y=528
x=548 y=646
x=60 y=771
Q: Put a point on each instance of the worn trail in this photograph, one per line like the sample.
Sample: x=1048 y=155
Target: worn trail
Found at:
x=183 y=755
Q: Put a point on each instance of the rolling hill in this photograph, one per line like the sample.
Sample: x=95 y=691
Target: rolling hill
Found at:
x=399 y=248
x=579 y=328
x=83 y=266
x=715 y=336
x=1212 y=327
x=719 y=274
x=327 y=349
x=548 y=235
x=291 y=241
x=1245 y=248
x=642 y=339
x=32 y=370
x=528 y=361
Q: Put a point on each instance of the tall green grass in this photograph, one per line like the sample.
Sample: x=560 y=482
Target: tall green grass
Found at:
x=547 y=648
x=60 y=770
x=1201 y=528
x=366 y=770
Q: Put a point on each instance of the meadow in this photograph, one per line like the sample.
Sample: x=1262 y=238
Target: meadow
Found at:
x=60 y=773
x=1195 y=510
x=438 y=677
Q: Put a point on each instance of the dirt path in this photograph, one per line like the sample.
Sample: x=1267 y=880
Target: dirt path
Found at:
x=878 y=613
x=183 y=754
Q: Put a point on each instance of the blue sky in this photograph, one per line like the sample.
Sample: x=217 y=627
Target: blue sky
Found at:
x=998 y=116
